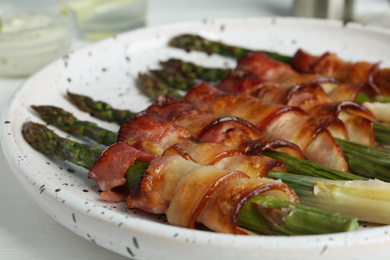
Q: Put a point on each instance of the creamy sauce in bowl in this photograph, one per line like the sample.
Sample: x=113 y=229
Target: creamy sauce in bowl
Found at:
x=29 y=41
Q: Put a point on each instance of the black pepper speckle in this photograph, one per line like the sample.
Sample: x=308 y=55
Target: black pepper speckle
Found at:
x=324 y=249
x=7 y=122
x=74 y=218
x=135 y=242
x=129 y=251
x=41 y=189
x=70 y=170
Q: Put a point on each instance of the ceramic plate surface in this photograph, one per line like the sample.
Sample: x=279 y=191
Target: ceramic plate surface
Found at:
x=107 y=71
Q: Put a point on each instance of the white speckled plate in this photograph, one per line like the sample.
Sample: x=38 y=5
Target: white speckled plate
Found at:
x=107 y=71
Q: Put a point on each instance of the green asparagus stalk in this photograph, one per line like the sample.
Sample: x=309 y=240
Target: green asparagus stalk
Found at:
x=195 y=71
x=49 y=143
x=99 y=109
x=367 y=200
x=372 y=162
x=268 y=219
x=69 y=123
x=191 y=42
x=361 y=98
x=308 y=168
x=172 y=78
x=271 y=216
x=382 y=134
x=153 y=87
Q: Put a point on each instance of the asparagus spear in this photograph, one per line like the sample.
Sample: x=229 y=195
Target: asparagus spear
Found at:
x=194 y=71
x=154 y=87
x=69 y=123
x=367 y=200
x=49 y=143
x=276 y=218
x=372 y=162
x=99 y=109
x=308 y=168
x=362 y=98
x=175 y=79
x=191 y=42
x=271 y=216
x=381 y=133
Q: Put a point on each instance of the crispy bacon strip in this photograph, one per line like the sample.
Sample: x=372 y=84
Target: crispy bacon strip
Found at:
x=187 y=192
x=375 y=79
x=277 y=122
x=110 y=168
x=181 y=142
x=270 y=70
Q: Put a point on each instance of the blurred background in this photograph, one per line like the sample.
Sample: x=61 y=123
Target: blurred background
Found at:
x=28 y=41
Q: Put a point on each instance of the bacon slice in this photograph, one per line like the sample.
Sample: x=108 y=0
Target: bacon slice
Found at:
x=275 y=121
x=270 y=70
x=187 y=192
x=110 y=168
x=181 y=142
x=359 y=74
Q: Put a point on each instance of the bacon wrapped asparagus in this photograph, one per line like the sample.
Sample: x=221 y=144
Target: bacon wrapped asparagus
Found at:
x=363 y=160
x=187 y=192
x=357 y=81
x=359 y=74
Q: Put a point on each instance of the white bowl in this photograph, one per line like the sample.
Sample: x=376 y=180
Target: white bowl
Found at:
x=33 y=34
x=107 y=71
